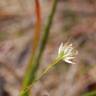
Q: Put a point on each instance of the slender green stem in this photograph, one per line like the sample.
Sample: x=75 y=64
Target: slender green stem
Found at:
x=48 y=26
x=48 y=68
x=34 y=63
x=42 y=74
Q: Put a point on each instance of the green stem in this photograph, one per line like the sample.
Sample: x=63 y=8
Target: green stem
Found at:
x=48 y=68
x=42 y=74
x=48 y=26
x=34 y=63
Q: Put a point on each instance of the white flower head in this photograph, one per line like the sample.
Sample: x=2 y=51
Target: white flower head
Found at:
x=67 y=52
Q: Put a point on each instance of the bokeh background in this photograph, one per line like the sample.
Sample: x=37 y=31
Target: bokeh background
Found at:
x=74 y=21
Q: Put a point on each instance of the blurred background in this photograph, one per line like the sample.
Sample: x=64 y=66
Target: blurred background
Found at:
x=74 y=21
